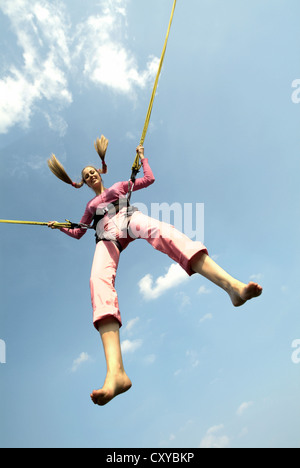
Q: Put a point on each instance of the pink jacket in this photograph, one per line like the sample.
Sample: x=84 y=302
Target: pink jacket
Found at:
x=114 y=193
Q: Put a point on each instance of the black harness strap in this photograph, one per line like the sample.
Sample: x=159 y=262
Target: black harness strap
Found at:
x=111 y=210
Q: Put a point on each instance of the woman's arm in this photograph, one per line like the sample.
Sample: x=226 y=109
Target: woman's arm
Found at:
x=148 y=178
x=142 y=182
x=76 y=233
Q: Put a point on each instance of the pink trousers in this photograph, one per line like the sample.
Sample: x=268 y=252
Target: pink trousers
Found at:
x=161 y=236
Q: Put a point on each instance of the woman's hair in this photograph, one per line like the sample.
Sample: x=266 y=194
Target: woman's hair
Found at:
x=59 y=171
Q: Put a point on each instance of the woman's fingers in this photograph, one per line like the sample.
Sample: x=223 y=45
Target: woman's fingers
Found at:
x=140 y=149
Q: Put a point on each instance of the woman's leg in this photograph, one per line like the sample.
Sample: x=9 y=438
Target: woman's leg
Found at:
x=116 y=381
x=239 y=292
x=107 y=320
x=192 y=256
x=102 y=283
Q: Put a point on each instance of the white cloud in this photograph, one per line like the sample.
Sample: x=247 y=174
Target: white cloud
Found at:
x=131 y=136
x=84 y=357
x=150 y=359
x=41 y=33
x=183 y=300
x=243 y=407
x=107 y=61
x=56 y=123
x=19 y=166
x=204 y=290
x=130 y=325
x=213 y=439
x=206 y=317
x=193 y=357
x=129 y=346
x=152 y=290
x=256 y=277
x=52 y=49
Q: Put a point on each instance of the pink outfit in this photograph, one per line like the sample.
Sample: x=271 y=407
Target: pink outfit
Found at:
x=161 y=236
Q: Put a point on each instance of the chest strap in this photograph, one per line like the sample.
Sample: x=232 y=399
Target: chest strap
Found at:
x=111 y=210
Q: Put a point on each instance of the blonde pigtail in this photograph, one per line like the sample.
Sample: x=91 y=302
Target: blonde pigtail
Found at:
x=59 y=171
x=101 y=145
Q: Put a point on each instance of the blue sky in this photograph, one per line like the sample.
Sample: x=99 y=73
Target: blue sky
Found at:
x=224 y=132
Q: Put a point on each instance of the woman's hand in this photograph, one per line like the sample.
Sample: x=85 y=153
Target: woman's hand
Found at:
x=140 y=151
x=52 y=225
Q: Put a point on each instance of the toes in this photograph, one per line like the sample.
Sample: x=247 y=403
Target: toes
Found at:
x=254 y=290
x=93 y=398
x=100 y=397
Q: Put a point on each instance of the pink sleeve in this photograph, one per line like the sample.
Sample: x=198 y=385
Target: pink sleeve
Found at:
x=77 y=233
x=140 y=183
x=148 y=178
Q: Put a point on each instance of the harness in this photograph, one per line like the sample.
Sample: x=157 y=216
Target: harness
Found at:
x=112 y=210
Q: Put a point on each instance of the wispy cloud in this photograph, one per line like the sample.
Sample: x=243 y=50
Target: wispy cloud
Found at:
x=178 y=433
x=213 y=438
x=131 y=325
x=193 y=358
x=204 y=290
x=41 y=30
x=53 y=49
x=18 y=166
x=107 y=60
x=150 y=359
x=151 y=289
x=256 y=277
x=84 y=357
x=206 y=317
x=183 y=300
x=243 y=407
x=129 y=346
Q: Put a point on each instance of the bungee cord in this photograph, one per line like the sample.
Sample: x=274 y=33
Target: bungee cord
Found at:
x=137 y=164
x=67 y=224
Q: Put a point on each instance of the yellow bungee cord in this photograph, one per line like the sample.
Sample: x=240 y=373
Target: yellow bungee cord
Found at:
x=67 y=224
x=137 y=164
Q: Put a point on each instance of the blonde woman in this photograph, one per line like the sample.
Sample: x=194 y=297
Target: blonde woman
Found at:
x=117 y=225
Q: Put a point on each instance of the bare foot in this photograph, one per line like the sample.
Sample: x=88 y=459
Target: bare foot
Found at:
x=241 y=293
x=114 y=385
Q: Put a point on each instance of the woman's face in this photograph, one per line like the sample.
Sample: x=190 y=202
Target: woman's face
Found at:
x=92 y=178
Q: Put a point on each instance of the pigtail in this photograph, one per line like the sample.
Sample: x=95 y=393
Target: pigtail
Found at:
x=59 y=171
x=101 y=145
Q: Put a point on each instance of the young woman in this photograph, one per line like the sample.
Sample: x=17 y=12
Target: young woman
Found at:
x=116 y=226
